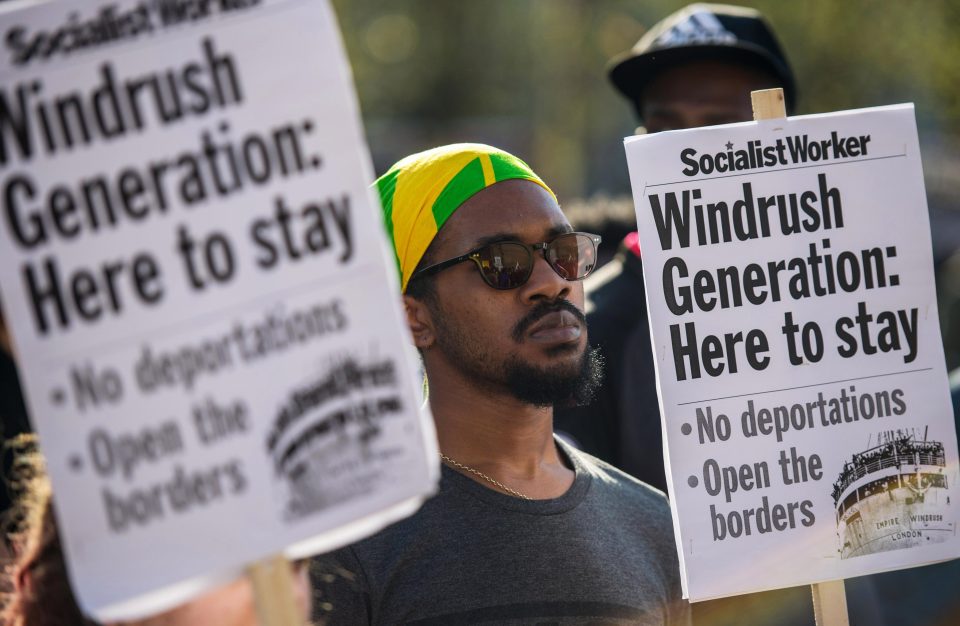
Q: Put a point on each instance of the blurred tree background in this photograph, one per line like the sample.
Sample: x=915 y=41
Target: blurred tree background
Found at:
x=530 y=76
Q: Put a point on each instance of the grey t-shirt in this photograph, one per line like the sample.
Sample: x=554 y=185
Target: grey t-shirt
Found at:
x=602 y=553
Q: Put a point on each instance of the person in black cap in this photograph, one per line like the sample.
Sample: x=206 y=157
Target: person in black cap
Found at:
x=698 y=67
x=695 y=68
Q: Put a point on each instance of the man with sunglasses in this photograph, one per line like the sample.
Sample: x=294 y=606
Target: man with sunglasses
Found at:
x=523 y=529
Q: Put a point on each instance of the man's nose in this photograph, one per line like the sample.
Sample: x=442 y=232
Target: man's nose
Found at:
x=544 y=283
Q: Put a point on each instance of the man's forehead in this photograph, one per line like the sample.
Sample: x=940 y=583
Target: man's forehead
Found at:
x=513 y=209
x=508 y=235
x=706 y=82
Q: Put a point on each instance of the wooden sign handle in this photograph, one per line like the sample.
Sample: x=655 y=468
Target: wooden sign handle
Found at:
x=830 y=603
x=273 y=592
x=829 y=598
x=768 y=104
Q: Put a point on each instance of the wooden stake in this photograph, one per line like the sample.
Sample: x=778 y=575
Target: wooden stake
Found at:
x=830 y=604
x=768 y=104
x=273 y=592
x=829 y=598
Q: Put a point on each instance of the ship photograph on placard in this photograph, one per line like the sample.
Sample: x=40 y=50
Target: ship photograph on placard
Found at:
x=327 y=442
x=893 y=495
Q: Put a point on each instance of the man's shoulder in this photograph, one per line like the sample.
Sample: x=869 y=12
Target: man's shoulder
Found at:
x=618 y=483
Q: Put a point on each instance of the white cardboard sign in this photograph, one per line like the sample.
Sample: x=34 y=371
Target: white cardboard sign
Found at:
x=807 y=420
x=205 y=313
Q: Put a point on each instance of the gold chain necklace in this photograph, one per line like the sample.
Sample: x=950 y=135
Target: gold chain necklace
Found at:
x=512 y=492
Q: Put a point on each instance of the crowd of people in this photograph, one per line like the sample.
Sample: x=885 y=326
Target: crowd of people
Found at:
x=542 y=514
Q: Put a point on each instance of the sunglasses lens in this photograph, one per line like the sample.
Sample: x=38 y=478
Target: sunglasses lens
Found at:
x=572 y=256
x=504 y=265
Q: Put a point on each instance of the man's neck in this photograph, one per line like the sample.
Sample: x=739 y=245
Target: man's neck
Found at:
x=499 y=436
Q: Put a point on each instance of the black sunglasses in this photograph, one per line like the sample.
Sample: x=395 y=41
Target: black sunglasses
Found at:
x=508 y=264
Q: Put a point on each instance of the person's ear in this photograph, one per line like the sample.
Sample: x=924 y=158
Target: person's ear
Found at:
x=420 y=322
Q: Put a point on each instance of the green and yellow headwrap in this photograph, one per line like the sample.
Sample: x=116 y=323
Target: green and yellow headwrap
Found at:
x=422 y=191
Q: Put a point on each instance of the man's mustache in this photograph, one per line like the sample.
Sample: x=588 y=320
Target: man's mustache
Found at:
x=542 y=309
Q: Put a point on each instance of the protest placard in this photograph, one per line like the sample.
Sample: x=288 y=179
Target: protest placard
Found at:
x=205 y=315
x=804 y=404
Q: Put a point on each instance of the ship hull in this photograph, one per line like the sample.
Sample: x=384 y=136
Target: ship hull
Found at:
x=895 y=511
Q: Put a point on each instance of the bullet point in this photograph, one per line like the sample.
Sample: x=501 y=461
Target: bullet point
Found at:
x=58 y=396
x=76 y=463
x=686 y=429
x=692 y=481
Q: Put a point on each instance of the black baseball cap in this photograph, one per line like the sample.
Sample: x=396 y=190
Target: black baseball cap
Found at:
x=719 y=32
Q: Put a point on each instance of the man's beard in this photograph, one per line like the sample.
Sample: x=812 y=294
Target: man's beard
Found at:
x=565 y=384
x=545 y=386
